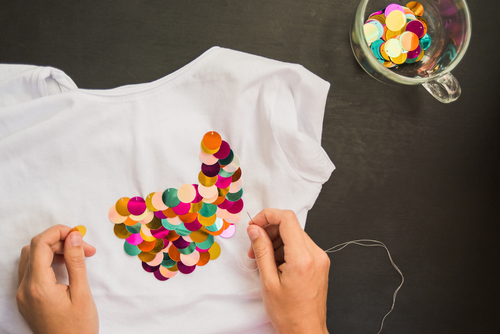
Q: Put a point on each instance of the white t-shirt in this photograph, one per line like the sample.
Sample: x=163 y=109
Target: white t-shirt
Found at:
x=68 y=154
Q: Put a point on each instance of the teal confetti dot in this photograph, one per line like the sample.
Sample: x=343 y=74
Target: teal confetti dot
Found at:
x=167 y=261
x=169 y=226
x=223 y=173
x=425 y=41
x=233 y=197
x=182 y=230
x=375 y=47
x=208 y=210
x=207 y=243
x=188 y=250
x=226 y=161
x=131 y=250
x=134 y=228
x=170 y=197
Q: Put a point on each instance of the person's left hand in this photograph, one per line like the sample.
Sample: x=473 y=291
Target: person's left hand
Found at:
x=47 y=306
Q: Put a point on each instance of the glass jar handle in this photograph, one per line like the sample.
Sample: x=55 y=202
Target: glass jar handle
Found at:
x=445 y=89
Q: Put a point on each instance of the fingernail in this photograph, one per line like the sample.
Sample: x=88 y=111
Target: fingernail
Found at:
x=75 y=239
x=253 y=233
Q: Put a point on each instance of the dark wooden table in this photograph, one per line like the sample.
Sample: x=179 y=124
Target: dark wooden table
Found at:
x=421 y=176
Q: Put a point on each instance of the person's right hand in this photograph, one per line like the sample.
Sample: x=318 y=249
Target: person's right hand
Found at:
x=49 y=307
x=293 y=272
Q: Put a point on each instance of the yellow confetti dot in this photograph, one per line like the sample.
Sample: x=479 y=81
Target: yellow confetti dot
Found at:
x=80 y=228
x=214 y=251
x=395 y=21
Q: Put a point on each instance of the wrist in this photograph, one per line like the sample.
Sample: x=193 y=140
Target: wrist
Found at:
x=308 y=328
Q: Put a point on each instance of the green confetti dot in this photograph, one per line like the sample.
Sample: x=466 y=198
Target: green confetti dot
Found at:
x=233 y=197
x=207 y=243
x=188 y=250
x=425 y=42
x=223 y=173
x=167 y=261
x=169 y=226
x=131 y=250
x=208 y=210
x=182 y=230
x=227 y=160
x=134 y=228
x=170 y=197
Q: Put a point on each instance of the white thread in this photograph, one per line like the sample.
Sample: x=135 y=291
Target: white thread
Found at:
x=240 y=261
x=339 y=247
x=373 y=243
x=243 y=267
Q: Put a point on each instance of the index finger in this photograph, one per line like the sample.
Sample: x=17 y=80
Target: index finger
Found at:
x=23 y=263
x=289 y=228
x=41 y=250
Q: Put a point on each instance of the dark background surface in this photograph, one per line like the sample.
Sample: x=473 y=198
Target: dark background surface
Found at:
x=421 y=176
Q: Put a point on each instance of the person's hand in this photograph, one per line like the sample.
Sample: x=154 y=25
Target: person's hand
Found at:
x=47 y=306
x=293 y=272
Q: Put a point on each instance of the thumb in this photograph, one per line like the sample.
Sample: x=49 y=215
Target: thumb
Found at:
x=74 y=256
x=264 y=253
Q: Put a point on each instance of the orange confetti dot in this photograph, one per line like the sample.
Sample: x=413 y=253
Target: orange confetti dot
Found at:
x=206 y=150
x=129 y=222
x=169 y=213
x=146 y=246
x=204 y=258
x=174 y=253
x=188 y=217
x=212 y=140
x=172 y=236
x=216 y=233
x=409 y=41
x=219 y=200
x=416 y=8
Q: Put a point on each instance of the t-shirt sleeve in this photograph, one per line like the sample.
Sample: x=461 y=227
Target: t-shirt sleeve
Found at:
x=24 y=83
x=297 y=122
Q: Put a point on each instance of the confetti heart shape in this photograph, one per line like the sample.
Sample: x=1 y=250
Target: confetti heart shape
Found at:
x=174 y=230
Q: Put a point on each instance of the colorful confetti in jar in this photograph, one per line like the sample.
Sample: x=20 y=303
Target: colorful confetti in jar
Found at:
x=397 y=35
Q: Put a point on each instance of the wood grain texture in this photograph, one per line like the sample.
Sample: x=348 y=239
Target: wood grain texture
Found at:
x=418 y=175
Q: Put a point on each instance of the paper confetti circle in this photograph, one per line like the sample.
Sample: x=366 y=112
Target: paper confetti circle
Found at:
x=174 y=230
